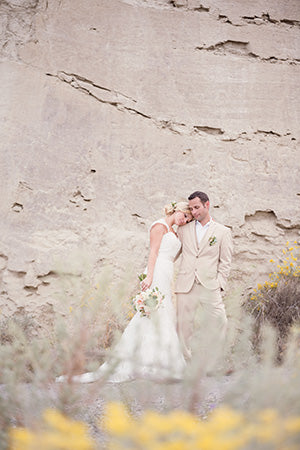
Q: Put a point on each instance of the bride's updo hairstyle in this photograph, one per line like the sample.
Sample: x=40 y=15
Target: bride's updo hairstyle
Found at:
x=172 y=207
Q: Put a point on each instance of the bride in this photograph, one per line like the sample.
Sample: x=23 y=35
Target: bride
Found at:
x=149 y=346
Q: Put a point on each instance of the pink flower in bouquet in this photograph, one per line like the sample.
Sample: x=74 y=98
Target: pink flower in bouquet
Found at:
x=146 y=302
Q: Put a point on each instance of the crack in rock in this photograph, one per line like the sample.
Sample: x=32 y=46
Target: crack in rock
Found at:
x=235 y=20
x=240 y=48
x=260 y=220
x=100 y=93
x=189 y=6
x=261 y=135
x=124 y=103
x=270 y=132
x=178 y=5
x=266 y=19
x=225 y=19
x=295 y=23
x=209 y=130
x=3 y=261
x=24 y=185
x=17 y=207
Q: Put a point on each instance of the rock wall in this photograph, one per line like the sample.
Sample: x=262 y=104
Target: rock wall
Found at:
x=112 y=108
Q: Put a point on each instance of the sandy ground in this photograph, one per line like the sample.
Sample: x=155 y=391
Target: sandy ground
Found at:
x=86 y=402
x=139 y=395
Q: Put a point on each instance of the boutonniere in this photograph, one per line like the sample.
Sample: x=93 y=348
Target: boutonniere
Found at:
x=212 y=240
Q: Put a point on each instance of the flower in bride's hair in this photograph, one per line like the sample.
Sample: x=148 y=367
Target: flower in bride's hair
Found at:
x=145 y=302
x=174 y=204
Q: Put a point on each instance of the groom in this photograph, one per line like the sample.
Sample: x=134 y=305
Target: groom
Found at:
x=205 y=265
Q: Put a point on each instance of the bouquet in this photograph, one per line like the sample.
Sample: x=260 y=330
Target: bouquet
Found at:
x=145 y=302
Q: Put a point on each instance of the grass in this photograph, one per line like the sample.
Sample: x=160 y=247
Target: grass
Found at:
x=256 y=407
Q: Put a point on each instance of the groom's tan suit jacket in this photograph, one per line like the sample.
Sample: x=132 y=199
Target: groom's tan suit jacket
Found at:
x=209 y=262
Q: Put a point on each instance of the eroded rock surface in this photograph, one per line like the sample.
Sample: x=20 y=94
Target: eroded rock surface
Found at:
x=111 y=109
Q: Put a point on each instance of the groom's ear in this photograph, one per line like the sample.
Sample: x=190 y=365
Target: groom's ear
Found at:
x=206 y=204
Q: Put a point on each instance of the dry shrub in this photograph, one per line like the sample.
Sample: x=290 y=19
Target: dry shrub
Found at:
x=84 y=337
x=277 y=302
x=23 y=321
x=256 y=384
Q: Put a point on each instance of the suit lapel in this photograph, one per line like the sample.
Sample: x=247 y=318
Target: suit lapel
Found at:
x=206 y=236
x=193 y=236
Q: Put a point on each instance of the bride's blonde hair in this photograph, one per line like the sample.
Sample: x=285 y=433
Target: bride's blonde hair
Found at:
x=172 y=207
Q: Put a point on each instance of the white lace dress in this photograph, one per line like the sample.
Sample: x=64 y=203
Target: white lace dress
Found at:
x=148 y=347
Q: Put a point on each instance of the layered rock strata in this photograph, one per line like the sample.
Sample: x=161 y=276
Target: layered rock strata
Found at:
x=111 y=109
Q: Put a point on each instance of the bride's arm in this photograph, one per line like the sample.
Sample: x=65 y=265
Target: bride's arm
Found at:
x=156 y=234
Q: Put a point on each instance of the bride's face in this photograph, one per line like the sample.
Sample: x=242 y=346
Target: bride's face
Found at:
x=181 y=218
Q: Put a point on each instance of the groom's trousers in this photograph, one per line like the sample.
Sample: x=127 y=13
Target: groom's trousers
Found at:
x=201 y=324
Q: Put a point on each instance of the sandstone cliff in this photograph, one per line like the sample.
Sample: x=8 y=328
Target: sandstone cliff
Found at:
x=110 y=109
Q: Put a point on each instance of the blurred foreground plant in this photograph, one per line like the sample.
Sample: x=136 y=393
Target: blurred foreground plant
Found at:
x=258 y=389
x=225 y=429
x=56 y=432
x=77 y=342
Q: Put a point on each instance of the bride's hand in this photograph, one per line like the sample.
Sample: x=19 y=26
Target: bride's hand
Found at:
x=146 y=283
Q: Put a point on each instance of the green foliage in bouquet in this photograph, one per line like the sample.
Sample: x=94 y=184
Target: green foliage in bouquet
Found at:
x=148 y=301
x=142 y=276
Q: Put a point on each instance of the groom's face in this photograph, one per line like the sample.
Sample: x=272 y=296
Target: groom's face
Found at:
x=199 y=210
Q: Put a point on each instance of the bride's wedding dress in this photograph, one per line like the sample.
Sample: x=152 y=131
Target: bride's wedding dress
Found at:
x=148 y=347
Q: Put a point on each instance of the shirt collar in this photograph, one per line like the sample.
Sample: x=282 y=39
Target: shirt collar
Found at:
x=206 y=225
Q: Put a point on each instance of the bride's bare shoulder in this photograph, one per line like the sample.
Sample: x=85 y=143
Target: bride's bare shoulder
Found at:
x=159 y=225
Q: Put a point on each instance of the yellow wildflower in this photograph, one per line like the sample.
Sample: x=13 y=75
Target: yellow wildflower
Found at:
x=268 y=415
x=20 y=438
x=61 y=433
x=224 y=419
x=292 y=424
x=157 y=423
x=62 y=423
x=184 y=421
x=117 y=419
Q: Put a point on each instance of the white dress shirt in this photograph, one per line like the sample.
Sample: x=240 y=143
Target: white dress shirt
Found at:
x=201 y=230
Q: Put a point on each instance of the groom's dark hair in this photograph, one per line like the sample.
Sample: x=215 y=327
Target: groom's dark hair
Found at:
x=201 y=195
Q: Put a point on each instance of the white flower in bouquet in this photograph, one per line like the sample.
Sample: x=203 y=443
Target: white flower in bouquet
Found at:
x=145 y=302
